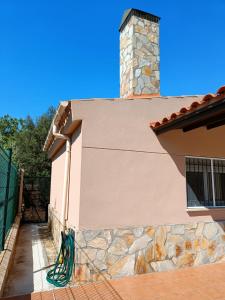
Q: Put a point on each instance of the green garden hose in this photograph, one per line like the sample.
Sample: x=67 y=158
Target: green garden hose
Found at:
x=60 y=275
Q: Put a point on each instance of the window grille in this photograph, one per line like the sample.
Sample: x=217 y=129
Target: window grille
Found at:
x=205 y=179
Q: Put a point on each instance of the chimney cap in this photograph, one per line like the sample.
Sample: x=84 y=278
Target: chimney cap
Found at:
x=136 y=12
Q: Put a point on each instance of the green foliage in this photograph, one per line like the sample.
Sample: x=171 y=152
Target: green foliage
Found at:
x=8 y=128
x=26 y=137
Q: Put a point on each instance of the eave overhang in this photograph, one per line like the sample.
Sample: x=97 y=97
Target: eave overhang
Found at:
x=60 y=118
x=209 y=112
x=210 y=116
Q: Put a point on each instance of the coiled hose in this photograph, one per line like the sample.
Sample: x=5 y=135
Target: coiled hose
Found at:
x=60 y=275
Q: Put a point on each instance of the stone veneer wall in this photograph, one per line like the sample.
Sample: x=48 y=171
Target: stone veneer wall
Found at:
x=139 y=58
x=55 y=227
x=122 y=252
x=115 y=253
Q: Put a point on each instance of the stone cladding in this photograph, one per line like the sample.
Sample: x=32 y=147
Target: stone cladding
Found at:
x=139 y=58
x=119 y=252
x=116 y=253
x=55 y=226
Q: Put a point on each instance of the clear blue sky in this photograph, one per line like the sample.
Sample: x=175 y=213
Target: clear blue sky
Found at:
x=52 y=50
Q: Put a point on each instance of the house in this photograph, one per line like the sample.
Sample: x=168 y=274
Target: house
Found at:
x=140 y=179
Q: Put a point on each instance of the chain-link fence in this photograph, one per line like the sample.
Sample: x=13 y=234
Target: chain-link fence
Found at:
x=9 y=188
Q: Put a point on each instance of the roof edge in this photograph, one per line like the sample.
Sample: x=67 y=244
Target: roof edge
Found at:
x=185 y=111
x=62 y=112
x=139 y=13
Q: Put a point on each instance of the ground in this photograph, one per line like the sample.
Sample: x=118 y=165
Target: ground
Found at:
x=201 y=283
x=34 y=253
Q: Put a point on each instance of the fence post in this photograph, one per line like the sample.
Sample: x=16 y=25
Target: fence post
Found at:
x=21 y=192
x=6 y=198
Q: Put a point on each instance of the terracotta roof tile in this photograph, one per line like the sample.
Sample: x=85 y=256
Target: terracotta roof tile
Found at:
x=207 y=99
x=221 y=90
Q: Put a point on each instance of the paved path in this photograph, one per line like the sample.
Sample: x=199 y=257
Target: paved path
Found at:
x=34 y=252
x=200 y=283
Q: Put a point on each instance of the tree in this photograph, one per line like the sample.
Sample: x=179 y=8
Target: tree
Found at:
x=29 y=143
x=8 y=128
x=26 y=137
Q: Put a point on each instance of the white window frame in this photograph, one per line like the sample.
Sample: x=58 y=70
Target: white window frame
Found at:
x=213 y=182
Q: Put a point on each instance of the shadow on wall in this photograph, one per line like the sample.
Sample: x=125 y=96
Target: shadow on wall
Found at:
x=200 y=143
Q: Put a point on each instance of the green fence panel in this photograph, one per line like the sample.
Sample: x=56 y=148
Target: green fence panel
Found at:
x=13 y=198
x=9 y=186
x=4 y=159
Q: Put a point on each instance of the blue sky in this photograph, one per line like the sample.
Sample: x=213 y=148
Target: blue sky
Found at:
x=56 y=50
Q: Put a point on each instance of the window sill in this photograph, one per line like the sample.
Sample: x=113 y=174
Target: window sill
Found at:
x=202 y=208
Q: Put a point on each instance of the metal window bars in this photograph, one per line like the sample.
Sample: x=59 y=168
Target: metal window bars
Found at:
x=205 y=178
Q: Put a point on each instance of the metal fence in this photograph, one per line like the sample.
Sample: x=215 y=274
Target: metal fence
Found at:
x=9 y=192
x=36 y=199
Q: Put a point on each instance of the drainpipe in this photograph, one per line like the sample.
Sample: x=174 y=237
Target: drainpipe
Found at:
x=66 y=172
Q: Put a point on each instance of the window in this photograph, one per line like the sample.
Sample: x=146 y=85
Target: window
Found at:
x=205 y=182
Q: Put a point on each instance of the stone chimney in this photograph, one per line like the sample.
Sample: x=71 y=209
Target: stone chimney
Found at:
x=139 y=54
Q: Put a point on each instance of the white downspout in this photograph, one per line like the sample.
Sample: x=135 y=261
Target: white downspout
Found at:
x=66 y=173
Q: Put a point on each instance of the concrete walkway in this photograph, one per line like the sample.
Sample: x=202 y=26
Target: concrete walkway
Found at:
x=34 y=253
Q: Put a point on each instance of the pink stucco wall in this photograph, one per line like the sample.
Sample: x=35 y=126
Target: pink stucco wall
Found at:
x=56 y=182
x=75 y=179
x=74 y=186
x=127 y=175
